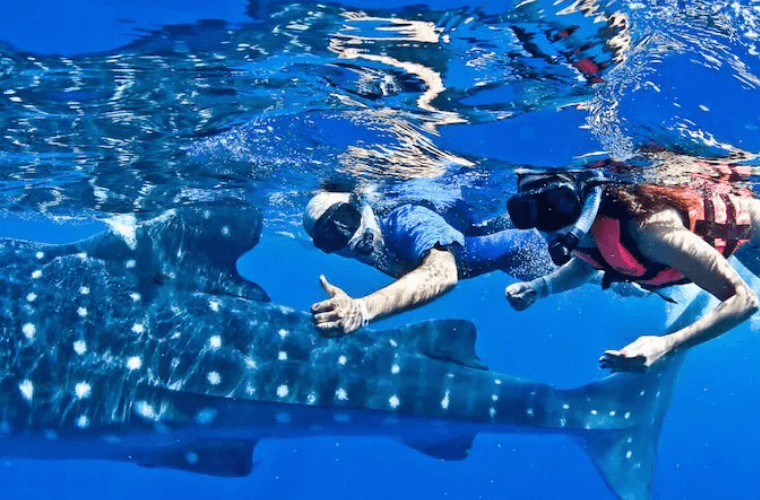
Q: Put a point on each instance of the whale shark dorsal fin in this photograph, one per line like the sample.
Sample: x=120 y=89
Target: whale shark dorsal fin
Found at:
x=449 y=448
x=194 y=248
x=213 y=458
x=451 y=340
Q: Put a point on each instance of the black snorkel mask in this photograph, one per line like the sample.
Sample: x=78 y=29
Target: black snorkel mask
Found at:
x=551 y=202
x=548 y=207
x=335 y=228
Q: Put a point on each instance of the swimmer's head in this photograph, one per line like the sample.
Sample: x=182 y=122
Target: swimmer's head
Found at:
x=338 y=222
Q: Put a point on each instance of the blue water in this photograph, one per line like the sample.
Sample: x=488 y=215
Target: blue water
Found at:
x=110 y=108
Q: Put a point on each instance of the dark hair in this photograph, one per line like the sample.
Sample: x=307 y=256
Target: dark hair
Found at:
x=643 y=200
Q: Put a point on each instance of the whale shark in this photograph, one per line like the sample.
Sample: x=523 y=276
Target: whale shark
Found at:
x=143 y=344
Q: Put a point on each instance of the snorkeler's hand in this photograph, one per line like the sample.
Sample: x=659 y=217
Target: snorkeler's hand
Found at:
x=522 y=295
x=338 y=315
x=637 y=356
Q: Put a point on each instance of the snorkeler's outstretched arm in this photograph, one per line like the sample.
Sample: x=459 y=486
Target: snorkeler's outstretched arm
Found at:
x=572 y=275
x=677 y=247
x=341 y=314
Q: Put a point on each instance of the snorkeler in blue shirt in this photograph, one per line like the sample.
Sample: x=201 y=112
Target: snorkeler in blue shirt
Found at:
x=414 y=244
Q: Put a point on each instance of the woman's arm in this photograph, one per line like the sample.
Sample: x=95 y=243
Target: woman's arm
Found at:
x=706 y=267
x=436 y=275
x=673 y=245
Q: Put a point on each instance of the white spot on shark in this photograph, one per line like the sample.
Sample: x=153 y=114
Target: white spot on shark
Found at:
x=83 y=422
x=530 y=412
x=341 y=394
x=492 y=412
x=82 y=311
x=40 y=255
x=629 y=440
x=205 y=416
x=445 y=401
x=37 y=274
x=226 y=230
x=311 y=398
x=566 y=406
x=283 y=333
x=130 y=264
x=497 y=381
x=135 y=296
x=342 y=360
x=494 y=397
x=83 y=390
x=395 y=369
x=134 y=363
x=80 y=347
x=282 y=356
x=214 y=305
x=594 y=412
x=84 y=290
x=214 y=378
x=31 y=297
x=27 y=389
x=82 y=255
x=627 y=415
x=29 y=330
x=393 y=343
x=282 y=391
x=138 y=328
x=191 y=457
x=628 y=454
x=642 y=393
x=394 y=402
x=215 y=342
x=612 y=413
x=250 y=363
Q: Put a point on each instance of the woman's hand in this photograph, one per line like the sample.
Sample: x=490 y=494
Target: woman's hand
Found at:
x=524 y=294
x=637 y=356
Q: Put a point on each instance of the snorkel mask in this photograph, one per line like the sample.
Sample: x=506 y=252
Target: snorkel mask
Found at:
x=550 y=202
x=338 y=225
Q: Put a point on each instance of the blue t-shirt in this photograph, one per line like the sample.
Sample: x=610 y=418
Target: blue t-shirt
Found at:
x=411 y=231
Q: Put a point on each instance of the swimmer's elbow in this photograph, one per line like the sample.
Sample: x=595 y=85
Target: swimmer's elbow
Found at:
x=749 y=301
x=443 y=270
x=753 y=303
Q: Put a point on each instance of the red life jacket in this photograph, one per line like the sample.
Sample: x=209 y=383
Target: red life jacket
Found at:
x=722 y=220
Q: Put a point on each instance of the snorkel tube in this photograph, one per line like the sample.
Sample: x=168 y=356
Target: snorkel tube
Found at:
x=562 y=246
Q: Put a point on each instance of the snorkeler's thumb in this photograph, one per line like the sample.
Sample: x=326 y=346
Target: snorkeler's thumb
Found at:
x=332 y=290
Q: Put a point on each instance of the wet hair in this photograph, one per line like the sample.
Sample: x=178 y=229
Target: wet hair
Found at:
x=643 y=200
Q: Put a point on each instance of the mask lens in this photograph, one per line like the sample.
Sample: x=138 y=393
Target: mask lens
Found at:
x=558 y=208
x=336 y=227
x=523 y=210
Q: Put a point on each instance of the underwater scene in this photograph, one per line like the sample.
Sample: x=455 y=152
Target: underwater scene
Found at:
x=379 y=249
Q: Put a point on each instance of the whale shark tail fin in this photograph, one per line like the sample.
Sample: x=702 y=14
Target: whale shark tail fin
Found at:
x=622 y=427
x=622 y=415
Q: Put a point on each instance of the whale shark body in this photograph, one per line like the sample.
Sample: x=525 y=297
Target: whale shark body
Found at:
x=144 y=345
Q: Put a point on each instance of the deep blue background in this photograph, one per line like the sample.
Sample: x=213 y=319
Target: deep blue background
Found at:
x=708 y=445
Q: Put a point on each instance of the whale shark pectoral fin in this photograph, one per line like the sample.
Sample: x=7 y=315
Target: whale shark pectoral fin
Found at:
x=451 y=340
x=449 y=448
x=213 y=458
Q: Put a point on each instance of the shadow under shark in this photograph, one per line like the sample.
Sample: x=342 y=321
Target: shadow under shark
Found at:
x=143 y=344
